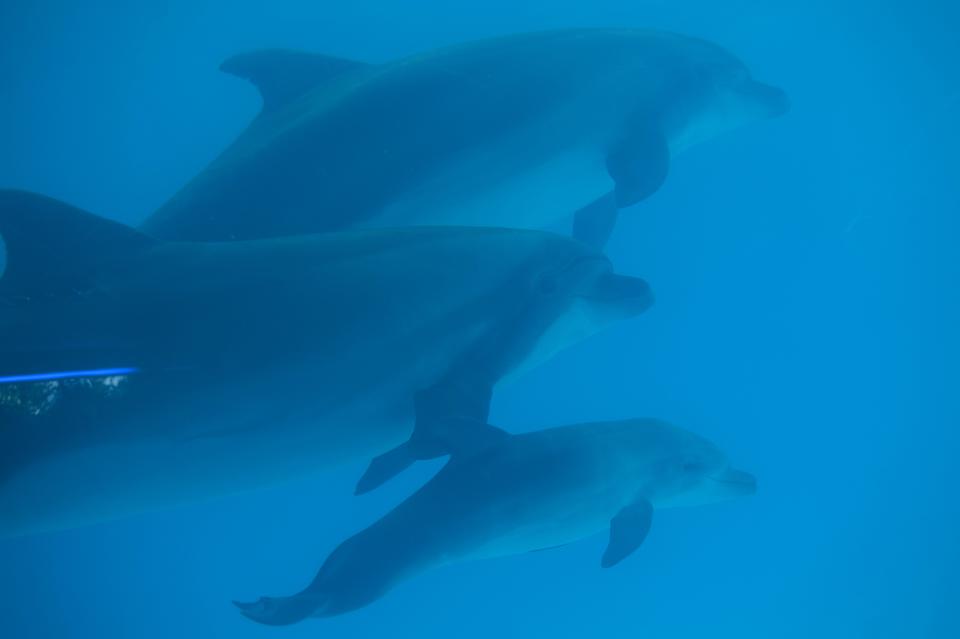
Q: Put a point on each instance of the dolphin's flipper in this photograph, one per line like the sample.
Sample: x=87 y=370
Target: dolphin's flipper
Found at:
x=457 y=437
x=594 y=223
x=282 y=76
x=638 y=165
x=628 y=529
x=385 y=467
x=451 y=419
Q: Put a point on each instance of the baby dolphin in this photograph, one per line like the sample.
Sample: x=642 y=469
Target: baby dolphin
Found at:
x=522 y=493
x=136 y=373
x=518 y=131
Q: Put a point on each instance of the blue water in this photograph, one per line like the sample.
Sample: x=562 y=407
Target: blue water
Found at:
x=808 y=299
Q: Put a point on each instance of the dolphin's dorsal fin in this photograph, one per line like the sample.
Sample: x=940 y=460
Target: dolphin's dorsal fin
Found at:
x=282 y=75
x=50 y=248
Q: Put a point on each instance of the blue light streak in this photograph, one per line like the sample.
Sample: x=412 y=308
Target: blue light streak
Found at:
x=46 y=377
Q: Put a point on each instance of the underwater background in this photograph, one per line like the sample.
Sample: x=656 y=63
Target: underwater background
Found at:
x=808 y=299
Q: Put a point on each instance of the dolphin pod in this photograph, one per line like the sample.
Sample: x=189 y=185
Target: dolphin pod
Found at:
x=254 y=361
x=518 y=131
x=559 y=485
x=351 y=278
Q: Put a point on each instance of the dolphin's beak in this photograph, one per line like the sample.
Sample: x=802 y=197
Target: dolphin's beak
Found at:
x=772 y=100
x=629 y=295
x=737 y=482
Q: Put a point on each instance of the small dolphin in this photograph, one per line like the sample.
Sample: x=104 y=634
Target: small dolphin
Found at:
x=525 y=493
x=141 y=373
x=518 y=131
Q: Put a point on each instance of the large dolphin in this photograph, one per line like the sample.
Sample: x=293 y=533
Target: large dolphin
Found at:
x=136 y=373
x=522 y=493
x=517 y=131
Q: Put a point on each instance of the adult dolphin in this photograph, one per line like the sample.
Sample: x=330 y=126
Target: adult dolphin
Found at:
x=135 y=373
x=518 y=131
x=523 y=493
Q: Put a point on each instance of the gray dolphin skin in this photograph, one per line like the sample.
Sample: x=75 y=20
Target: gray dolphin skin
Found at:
x=519 y=131
x=136 y=373
x=523 y=493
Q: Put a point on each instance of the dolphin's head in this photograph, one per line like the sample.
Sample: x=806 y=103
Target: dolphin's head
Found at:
x=597 y=296
x=708 y=91
x=576 y=294
x=678 y=468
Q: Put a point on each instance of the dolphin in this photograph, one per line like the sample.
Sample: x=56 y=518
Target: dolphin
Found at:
x=520 y=494
x=136 y=373
x=518 y=131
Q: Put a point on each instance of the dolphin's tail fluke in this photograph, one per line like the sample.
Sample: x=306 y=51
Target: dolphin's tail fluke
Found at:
x=359 y=571
x=283 y=611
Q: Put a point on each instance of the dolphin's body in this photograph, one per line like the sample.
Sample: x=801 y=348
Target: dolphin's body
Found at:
x=247 y=362
x=524 y=493
x=519 y=131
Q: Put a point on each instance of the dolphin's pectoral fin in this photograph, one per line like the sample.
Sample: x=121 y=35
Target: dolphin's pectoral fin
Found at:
x=628 y=529
x=282 y=76
x=385 y=467
x=594 y=223
x=638 y=165
x=451 y=419
x=454 y=437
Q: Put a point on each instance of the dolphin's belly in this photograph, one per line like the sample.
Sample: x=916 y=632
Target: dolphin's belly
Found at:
x=562 y=525
x=98 y=480
x=163 y=447
x=496 y=188
x=175 y=437
x=556 y=500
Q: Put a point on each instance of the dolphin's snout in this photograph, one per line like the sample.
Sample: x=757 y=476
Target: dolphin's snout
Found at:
x=774 y=101
x=737 y=482
x=631 y=294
